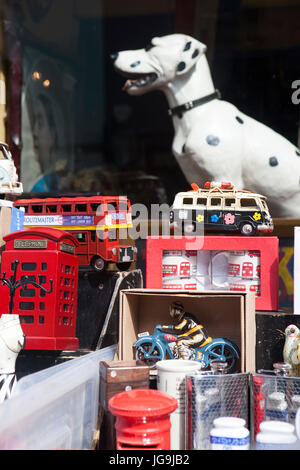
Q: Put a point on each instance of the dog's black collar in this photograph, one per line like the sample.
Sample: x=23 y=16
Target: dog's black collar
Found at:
x=178 y=110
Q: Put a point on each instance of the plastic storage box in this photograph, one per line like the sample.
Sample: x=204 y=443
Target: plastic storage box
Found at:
x=56 y=408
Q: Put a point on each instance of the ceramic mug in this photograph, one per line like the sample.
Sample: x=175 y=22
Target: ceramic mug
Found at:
x=179 y=264
x=171 y=375
x=244 y=285
x=218 y=269
x=180 y=284
x=203 y=278
x=244 y=264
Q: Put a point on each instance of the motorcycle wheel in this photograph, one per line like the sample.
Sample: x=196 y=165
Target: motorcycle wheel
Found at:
x=144 y=349
x=224 y=353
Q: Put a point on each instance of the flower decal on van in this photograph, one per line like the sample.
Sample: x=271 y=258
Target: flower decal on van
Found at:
x=214 y=218
x=229 y=219
x=200 y=218
x=257 y=216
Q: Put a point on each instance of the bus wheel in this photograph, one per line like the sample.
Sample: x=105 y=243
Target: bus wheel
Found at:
x=247 y=229
x=98 y=263
x=123 y=266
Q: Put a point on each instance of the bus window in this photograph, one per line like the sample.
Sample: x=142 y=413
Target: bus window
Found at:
x=52 y=209
x=248 y=203
x=94 y=206
x=201 y=201
x=81 y=237
x=66 y=207
x=93 y=235
x=215 y=202
x=112 y=235
x=229 y=202
x=37 y=209
x=123 y=206
x=80 y=208
x=187 y=200
x=112 y=206
x=99 y=208
x=25 y=208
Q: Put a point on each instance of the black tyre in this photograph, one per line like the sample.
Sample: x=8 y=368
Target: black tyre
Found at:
x=223 y=353
x=142 y=351
x=124 y=266
x=98 y=263
x=247 y=229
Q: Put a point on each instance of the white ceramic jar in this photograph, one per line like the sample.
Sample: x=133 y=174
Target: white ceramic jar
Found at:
x=171 y=374
x=229 y=433
x=276 y=435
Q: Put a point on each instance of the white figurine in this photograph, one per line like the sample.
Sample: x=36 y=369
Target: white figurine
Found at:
x=290 y=349
x=9 y=180
x=12 y=340
x=213 y=139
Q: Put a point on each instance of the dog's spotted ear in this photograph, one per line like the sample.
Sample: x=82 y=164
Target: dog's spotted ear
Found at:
x=191 y=52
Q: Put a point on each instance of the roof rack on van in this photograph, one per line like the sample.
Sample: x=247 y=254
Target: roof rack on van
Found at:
x=211 y=186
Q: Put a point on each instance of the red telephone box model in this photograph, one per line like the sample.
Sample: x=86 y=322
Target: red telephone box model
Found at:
x=48 y=319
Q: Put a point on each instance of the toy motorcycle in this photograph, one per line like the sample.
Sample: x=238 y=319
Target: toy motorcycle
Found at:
x=162 y=345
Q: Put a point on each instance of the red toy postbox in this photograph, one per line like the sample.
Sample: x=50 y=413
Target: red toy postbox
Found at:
x=142 y=419
x=48 y=319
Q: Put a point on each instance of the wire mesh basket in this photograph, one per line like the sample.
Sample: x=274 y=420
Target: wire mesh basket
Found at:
x=210 y=397
x=273 y=398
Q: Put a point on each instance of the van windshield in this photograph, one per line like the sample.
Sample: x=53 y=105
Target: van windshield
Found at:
x=264 y=205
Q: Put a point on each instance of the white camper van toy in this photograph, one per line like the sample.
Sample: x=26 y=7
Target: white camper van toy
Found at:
x=9 y=183
x=222 y=208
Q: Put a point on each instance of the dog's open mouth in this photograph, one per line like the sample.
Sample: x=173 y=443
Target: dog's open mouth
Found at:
x=139 y=81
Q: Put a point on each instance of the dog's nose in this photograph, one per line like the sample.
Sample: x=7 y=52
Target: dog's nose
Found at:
x=114 y=56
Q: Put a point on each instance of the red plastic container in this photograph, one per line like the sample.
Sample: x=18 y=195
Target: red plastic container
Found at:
x=142 y=419
x=259 y=404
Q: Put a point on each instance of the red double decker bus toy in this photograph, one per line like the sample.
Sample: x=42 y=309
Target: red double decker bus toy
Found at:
x=45 y=260
x=96 y=222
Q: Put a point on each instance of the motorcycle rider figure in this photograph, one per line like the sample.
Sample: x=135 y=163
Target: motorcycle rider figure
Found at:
x=192 y=335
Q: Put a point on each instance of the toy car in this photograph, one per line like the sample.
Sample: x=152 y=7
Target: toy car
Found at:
x=220 y=207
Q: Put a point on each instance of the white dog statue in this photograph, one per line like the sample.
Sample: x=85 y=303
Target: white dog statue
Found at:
x=213 y=140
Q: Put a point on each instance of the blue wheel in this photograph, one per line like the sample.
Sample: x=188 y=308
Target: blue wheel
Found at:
x=223 y=352
x=150 y=353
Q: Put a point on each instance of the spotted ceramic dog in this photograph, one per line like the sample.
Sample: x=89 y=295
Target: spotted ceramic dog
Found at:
x=213 y=139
